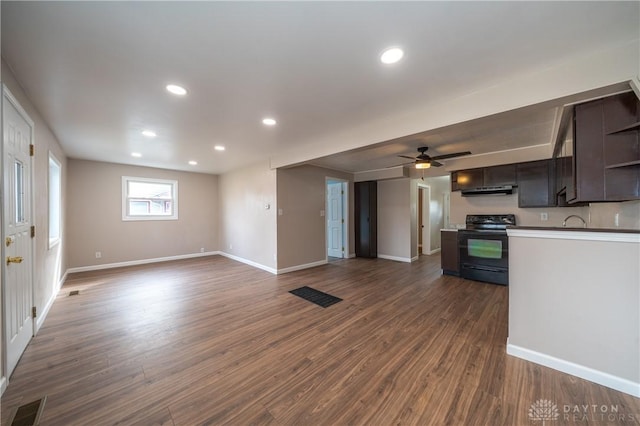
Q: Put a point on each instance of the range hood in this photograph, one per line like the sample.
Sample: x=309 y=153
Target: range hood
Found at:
x=488 y=190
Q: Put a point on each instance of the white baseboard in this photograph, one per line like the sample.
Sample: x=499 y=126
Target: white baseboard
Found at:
x=587 y=373
x=138 y=262
x=395 y=258
x=300 y=267
x=3 y=384
x=434 y=251
x=351 y=255
x=249 y=262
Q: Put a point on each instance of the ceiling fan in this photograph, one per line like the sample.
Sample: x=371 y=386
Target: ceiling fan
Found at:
x=424 y=161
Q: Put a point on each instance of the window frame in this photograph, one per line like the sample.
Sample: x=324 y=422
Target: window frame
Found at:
x=55 y=239
x=127 y=217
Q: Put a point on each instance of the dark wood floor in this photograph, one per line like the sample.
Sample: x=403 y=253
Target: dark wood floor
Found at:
x=211 y=341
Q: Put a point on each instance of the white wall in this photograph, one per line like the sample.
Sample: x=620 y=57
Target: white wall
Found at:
x=247 y=228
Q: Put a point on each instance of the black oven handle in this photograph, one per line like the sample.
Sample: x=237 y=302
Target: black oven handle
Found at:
x=483 y=268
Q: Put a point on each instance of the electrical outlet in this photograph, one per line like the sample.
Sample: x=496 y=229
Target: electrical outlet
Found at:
x=98 y=255
x=616 y=220
x=201 y=249
x=230 y=246
x=544 y=216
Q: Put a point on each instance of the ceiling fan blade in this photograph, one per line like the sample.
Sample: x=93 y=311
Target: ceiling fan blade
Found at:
x=406 y=156
x=435 y=164
x=455 y=154
x=397 y=165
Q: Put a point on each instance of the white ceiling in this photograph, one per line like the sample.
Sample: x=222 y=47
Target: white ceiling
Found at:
x=96 y=71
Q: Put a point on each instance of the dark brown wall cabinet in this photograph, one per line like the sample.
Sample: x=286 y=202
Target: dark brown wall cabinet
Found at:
x=606 y=159
x=366 y=210
x=449 y=253
x=483 y=177
x=536 y=184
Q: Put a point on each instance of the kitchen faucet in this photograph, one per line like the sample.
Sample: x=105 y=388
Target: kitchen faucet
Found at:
x=564 y=222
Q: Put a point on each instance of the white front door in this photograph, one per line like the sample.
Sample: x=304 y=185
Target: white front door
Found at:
x=335 y=220
x=18 y=287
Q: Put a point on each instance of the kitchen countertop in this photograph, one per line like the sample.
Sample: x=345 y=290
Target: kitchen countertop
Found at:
x=560 y=228
x=449 y=229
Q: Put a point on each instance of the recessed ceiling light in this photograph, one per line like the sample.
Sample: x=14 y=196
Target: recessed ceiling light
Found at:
x=269 y=122
x=193 y=163
x=149 y=133
x=391 y=55
x=136 y=154
x=176 y=90
x=219 y=148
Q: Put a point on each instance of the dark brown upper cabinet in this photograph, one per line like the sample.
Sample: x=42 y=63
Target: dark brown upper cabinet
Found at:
x=483 y=177
x=536 y=184
x=606 y=161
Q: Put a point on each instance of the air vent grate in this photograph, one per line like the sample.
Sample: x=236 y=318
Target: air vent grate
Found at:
x=29 y=414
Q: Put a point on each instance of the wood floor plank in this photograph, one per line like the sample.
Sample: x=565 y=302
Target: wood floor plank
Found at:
x=211 y=341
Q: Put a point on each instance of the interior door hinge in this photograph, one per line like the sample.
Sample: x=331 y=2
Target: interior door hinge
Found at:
x=342 y=220
x=32 y=150
x=33 y=312
x=33 y=231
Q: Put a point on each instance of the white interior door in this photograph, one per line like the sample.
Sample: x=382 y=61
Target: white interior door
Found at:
x=335 y=220
x=18 y=286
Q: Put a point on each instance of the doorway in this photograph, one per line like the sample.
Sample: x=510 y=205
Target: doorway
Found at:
x=424 y=219
x=337 y=208
x=17 y=247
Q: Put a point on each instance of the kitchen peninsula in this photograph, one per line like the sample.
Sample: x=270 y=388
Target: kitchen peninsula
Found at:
x=574 y=302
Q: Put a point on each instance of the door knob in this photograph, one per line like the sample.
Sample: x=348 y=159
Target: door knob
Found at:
x=14 y=259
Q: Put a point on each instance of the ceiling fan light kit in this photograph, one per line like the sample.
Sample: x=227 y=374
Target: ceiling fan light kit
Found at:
x=424 y=161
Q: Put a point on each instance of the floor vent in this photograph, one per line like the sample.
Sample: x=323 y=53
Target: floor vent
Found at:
x=74 y=293
x=29 y=414
x=316 y=296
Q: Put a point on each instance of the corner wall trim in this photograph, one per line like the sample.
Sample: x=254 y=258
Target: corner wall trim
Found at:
x=248 y=262
x=396 y=258
x=587 y=373
x=138 y=262
x=3 y=384
x=300 y=267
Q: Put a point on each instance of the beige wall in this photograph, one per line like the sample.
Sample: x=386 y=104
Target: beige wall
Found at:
x=438 y=187
x=49 y=264
x=95 y=216
x=301 y=228
x=576 y=301
x=247 y=228
x=397 y=219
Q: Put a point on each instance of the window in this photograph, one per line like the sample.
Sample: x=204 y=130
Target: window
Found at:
x=55 y=200
x=149 y=199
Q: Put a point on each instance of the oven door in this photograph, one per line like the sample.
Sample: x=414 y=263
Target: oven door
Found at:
x=484 y=256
